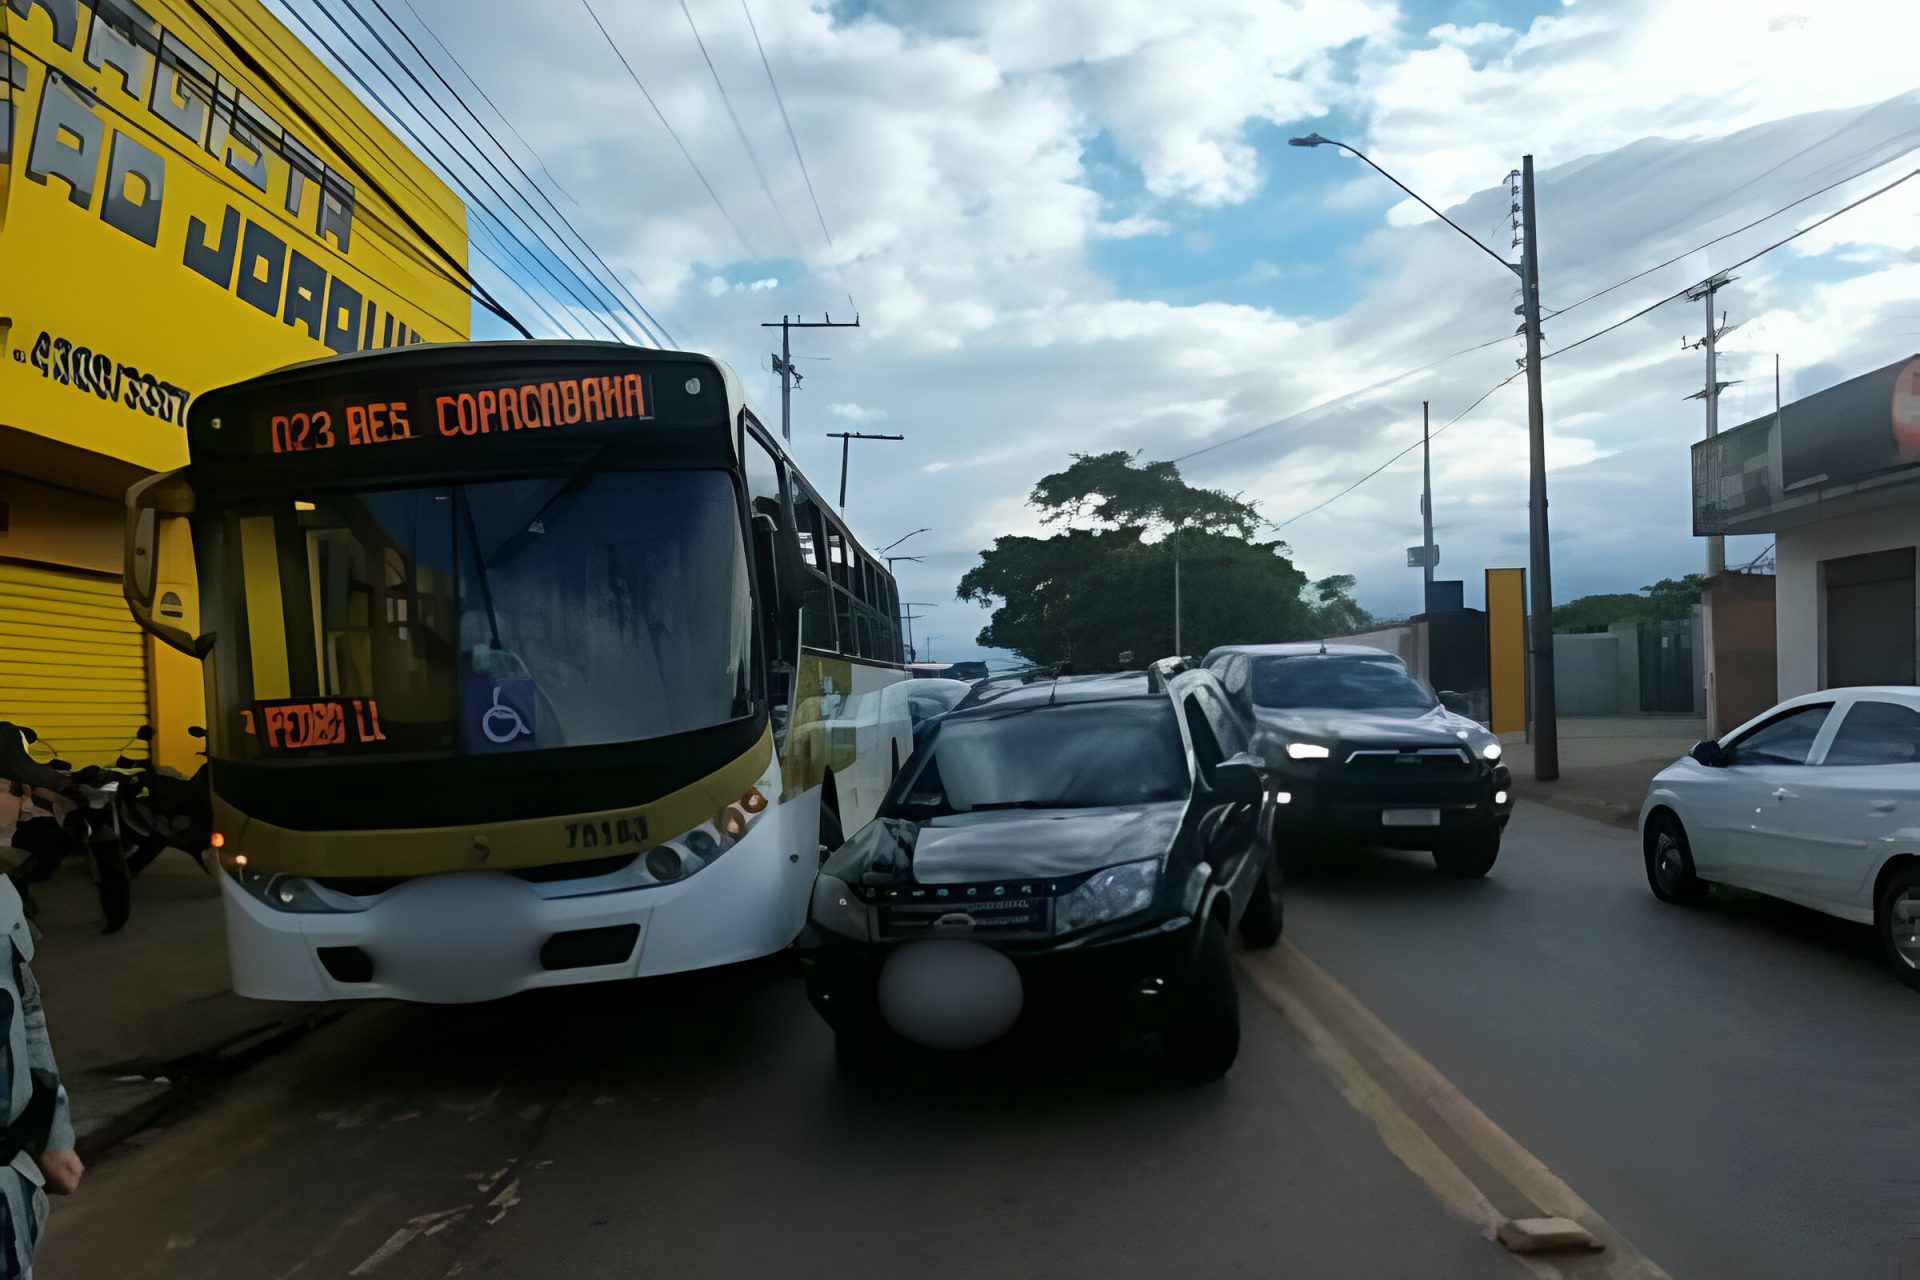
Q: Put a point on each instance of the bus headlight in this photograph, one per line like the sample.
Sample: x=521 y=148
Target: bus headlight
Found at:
x=680 y=857
x=281 y=892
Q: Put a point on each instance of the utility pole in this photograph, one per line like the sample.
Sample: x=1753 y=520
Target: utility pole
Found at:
x=1716 y=545
x=1546 y=720
x=1426 y=504
x=783 y=363
x=1176 y=591
x=1546 y=726
x=845 y=438
x=907 y=616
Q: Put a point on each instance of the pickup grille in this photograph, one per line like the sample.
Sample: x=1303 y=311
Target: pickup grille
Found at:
x=1420 y=762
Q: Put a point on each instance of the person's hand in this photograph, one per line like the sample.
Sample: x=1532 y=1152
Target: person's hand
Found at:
x=63 y=1170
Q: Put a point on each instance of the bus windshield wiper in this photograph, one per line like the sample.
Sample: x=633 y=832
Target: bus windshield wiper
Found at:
x=524 y=529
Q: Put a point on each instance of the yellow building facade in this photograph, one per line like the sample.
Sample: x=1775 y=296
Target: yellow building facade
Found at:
x=187 y=197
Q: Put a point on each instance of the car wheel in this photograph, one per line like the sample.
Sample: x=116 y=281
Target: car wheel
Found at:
x=1203 y=1035
x=1260 y=927
x=1897 y=916
x=1669 y=857
x=1468 y=857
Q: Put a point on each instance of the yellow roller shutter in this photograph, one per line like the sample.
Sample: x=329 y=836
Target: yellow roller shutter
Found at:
x=73 y=663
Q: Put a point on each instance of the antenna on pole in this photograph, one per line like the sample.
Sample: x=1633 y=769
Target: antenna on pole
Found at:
x=783 y=363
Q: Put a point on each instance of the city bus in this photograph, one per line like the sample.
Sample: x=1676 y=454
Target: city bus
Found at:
x=526 y=663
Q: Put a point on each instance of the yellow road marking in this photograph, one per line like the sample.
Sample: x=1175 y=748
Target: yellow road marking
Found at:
x=1334 y=1023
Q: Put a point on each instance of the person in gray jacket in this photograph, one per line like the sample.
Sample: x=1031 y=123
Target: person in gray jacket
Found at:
x=38 y=1138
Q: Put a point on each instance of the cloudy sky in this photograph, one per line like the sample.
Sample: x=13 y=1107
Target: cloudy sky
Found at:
x=1076 y=225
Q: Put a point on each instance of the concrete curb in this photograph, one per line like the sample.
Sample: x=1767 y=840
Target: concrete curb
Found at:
x=154 y=1091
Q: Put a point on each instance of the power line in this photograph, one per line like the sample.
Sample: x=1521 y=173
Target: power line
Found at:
x=1819 y=222
x=1878 y=164
x=658 y=336
x=1396 y=457
x=671 y=133
x=726 y=101
x=486 y=97
x=1589 y=338
x=476 y=202
x=792 y=137
x=253 y=65
x=597 y=292
x=1342 y=397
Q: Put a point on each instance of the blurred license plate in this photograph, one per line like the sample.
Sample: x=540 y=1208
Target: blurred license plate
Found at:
x=1410 y=817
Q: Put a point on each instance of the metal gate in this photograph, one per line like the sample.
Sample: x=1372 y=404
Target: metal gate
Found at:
x=1666 y=666
x=73 y=663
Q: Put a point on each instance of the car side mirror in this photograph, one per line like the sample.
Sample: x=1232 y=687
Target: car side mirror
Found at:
x=1239 y=779
x=1710 y=753
x=1454 y=702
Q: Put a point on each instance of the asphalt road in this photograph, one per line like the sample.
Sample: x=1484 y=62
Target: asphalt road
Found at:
x=1728 y=1086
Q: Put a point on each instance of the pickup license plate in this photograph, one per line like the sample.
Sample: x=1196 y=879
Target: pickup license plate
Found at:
x=1409 y=817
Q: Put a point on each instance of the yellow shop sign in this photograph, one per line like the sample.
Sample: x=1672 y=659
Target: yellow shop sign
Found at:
x=188 y=197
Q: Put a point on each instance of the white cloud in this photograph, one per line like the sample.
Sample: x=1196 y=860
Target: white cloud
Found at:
x=952 y=148
x=857 y=413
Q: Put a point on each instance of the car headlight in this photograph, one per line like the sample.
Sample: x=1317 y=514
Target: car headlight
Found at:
x=1307 y=751
x=1109 y=895
x=1491 y=751
x=837 y=909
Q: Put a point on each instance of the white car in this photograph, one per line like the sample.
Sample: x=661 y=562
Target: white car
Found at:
x=1817 y=802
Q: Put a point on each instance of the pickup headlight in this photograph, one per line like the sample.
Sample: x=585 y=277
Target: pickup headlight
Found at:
x=1307 y=751
x=837 y=909
x=1109 y=895
x=1491 y=751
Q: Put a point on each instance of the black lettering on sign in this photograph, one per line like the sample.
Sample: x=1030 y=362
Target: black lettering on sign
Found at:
x=215 y=262
x=136 y=181
x=84 y=369
x=66 y=140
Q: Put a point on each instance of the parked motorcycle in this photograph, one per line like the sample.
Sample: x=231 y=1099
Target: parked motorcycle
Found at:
x=57 y=810
x=163 y=809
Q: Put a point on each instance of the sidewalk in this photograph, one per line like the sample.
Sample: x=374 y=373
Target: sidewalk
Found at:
x=138 y=1016
x=1606 y=763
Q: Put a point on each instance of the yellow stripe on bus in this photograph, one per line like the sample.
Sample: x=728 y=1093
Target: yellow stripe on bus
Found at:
x=266 y=632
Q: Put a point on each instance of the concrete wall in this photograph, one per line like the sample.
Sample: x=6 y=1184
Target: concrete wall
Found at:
x=1586 y=675
x=1407 y=639
x=1800 y=617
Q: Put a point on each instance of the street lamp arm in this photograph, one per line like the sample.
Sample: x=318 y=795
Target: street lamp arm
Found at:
x=1315 y=140
x=897 y=541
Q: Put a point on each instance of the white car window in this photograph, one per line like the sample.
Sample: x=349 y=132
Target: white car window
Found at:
x=1876 y=733
x=1783 y=740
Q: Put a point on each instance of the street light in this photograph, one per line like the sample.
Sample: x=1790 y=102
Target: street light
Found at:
x=1546 y=726
x=897 y=541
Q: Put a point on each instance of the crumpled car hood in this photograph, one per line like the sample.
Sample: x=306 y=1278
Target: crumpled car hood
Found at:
x=1435 y=727
x=1005 y=843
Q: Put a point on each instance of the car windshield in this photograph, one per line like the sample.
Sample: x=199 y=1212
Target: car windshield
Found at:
x=1338 y=684
x=476 y=618
x=1094 y=755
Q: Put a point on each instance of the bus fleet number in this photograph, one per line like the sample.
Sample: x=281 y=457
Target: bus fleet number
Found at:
x=376 y=422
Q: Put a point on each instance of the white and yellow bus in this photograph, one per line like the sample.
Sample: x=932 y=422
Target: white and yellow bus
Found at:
x=527 y=663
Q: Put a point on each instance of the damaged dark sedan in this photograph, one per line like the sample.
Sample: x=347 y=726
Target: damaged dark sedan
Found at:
x=1068 y=853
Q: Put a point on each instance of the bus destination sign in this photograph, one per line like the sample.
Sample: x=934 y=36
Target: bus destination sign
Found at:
x=462 y=413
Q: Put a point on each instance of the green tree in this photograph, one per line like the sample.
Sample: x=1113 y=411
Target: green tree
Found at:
x=1667 y=600
x=1104 y=584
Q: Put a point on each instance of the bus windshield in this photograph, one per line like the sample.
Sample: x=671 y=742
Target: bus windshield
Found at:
x=476 y=618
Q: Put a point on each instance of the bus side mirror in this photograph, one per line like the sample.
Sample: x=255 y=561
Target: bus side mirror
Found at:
x=163 y=494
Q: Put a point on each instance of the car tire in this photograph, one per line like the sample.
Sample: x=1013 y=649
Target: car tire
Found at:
x=1894 y=927
x=1469 y=857
x=1669 y=859
x=1265 y=916
x=1202 y=1037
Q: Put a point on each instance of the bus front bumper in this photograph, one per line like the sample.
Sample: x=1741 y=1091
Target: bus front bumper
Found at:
x=471 y=936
